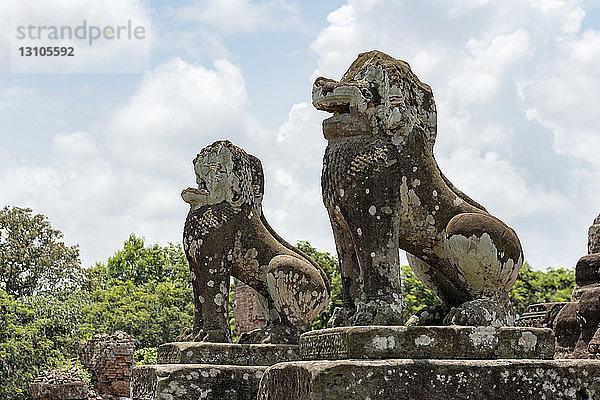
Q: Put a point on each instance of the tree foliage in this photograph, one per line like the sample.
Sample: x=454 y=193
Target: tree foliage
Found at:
x=416 y=295
x=36 y=333
x=141 y=264
x=142 y=290
x=537 y=286
x=34 y=258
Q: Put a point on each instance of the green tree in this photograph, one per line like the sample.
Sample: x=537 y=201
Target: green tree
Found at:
x=33 y=257
x=142 y=264
x=538 y=286
x=416 y=295
x=142 y=290
x=36 y=333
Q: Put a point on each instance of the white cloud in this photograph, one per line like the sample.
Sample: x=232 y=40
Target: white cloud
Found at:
x=14 y=96
x=293 y=179
x=99 y=188
x=516 y=84
x=234 y=16
x=178 y=108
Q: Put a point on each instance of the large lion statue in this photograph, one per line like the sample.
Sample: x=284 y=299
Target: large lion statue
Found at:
x=226 y=234
x=384 y=191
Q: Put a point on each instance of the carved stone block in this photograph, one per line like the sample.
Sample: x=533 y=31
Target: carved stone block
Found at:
x=432 y=380
x=226 y=353
x=195 y=381
x=434 y=342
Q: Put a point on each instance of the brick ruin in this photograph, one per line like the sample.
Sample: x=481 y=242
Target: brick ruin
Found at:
x=109 y=358
x=247 y=310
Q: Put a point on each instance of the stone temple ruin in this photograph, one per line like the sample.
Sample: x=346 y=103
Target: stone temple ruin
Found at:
x=383 y=191
x=575 y=323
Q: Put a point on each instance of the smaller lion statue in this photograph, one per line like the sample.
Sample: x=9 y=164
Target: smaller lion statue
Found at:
x=226 y=234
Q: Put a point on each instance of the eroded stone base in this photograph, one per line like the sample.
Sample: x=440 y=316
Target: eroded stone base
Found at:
x=195 y=381
x=430 y=342
x=65 y=391
x=226 y=353
x=432 y=380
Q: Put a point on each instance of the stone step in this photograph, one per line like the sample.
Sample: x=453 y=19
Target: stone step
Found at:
x=427 y=342
x=60 y=391
x=432 y=380
x=226 y=353
x=196 y=381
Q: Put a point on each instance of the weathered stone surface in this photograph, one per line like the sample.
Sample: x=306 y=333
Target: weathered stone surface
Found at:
x=383 y=191
x=226 y=234
x=195 y=381
x=587 y=272
x=594 y=237
x=540 y=315
x=64 y=391
x=433 y=380
x=577 y=322
x=226 y=353
x=432 y=342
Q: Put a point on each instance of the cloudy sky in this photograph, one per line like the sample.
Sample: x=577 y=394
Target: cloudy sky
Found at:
x=103 y=155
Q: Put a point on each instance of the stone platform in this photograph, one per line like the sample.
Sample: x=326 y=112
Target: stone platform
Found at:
x=195 y=381
x=226 y=353
x=431 y=342
x=208 y=371
x=432 y=380
x=64 y=391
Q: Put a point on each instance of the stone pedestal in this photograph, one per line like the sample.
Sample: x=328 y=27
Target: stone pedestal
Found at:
x=226 y=353
x=430 y=363
x=210 y=371
x=63 y=391
x=427 y=342
x=195 y=381
x=432 y=380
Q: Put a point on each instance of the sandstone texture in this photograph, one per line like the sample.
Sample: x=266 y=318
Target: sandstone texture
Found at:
x=540 y=315
x=226 y=353
x=61 y=391
x=576 y=325
x=226 y=234
x=384 y=191
x=195 y=381
x=432 y=380
x=434 y=342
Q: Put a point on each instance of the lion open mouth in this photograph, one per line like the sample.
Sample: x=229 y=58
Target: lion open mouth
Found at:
x=347 y=101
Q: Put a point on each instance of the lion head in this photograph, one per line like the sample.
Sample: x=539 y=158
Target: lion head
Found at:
x=377 y=94
x=225 y=172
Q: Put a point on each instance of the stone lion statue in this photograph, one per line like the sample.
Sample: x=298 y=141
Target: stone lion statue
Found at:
x=384 y=191
x=226 y=234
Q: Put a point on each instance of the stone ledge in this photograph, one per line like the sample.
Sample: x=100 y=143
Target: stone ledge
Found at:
x=195 y=381
x=432 y=380
x=427 y=342
x=226 y=353
x=63 y=391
